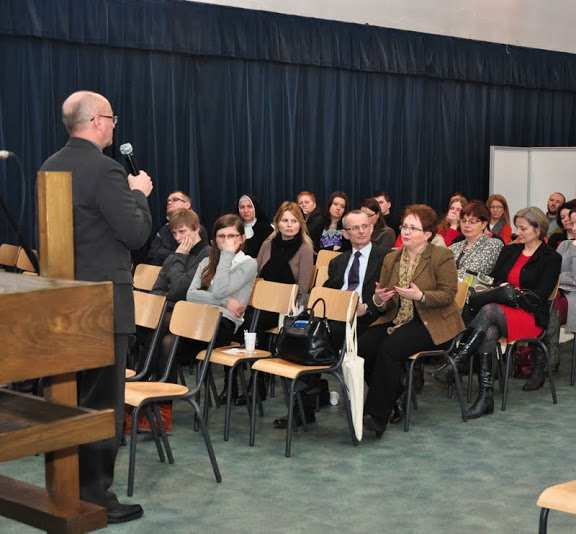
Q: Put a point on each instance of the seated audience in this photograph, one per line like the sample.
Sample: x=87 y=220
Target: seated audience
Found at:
x=499 y=224
x=328 y=235
x=528 y=265
x=477 y=252
x=163 y=243
x=564 y=309
x=307 y=203
x=449 y=227
x=382 y=234
x=555 y=200
x=564 y=225
x=287 y=255
x=358 y=269
x=384 y=201
x=256 y=225
x=180 y=266
x=415 y=297
x=224 y=279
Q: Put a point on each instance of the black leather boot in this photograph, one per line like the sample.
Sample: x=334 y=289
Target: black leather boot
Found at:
x=484 y=403
x=445 y=374
x=538 y=376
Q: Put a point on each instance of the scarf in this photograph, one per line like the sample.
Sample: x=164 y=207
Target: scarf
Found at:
x=277 y=268
x=406 y=272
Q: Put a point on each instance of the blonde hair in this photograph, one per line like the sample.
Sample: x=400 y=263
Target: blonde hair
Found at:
x=295 y=210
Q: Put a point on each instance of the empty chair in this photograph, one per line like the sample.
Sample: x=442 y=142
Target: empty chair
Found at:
x=145 y=276
x=23 y=262
x=8 y=255
x=560 y=497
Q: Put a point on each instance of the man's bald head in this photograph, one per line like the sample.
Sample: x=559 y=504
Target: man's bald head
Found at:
x=79 y=108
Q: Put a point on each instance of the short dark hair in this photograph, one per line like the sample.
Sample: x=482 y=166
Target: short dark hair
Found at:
x=476 y=208
x=306 y=193
x=384 y=194
x=428 y=217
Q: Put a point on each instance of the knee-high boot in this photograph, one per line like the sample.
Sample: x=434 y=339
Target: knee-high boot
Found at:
x=484 y=403
x=461 y=357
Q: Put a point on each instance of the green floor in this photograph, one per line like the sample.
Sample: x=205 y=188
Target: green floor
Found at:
x=444 y=476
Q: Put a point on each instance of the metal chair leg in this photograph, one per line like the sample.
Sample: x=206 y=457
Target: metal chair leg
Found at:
x=543 y=525
x=408 y=407
x=213 y=388
x=458 y=388
x=348 y=407
x=548 y=368
x=573 y=366
x=507 y=373
x=132 y=452
x=301 y=411
x=207 y=441
x=163 y=434
x=290 y=420
x=228 y=410
x=149 y=413
x=253 y=411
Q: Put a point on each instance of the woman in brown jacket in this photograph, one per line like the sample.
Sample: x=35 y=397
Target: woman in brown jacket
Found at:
x=415 y=295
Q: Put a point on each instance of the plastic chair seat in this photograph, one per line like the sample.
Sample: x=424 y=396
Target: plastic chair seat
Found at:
x=220 y=357
x=561 y=497
x=283 y=368
x=138 y=392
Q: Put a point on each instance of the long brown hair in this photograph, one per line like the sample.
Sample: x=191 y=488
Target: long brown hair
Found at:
x=225 y=221
x=295 y=210
x=444 y=224
x=502 y=200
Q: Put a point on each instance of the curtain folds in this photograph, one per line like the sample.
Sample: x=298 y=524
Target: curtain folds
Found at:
x=218 y=101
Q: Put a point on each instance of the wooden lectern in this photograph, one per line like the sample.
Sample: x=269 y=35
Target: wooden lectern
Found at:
x=52 y=328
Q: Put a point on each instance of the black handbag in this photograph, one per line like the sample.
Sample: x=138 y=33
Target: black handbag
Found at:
x=306 y=339
x=502 y=294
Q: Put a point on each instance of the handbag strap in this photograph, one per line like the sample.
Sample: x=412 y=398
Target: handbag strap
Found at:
x=311 y=308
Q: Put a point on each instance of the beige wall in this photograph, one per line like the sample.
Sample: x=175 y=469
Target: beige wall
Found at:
x=548 y=24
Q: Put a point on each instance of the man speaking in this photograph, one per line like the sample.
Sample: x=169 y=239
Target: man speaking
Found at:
x=111 y=217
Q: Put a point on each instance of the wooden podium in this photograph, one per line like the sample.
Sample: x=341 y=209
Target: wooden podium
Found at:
x=52 y=328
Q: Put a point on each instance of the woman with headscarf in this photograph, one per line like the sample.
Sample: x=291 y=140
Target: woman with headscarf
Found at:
x=256 y=225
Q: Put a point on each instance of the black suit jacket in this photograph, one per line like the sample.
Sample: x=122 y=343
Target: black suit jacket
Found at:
x=540 y=275
x=337 y=267
x=109 y=220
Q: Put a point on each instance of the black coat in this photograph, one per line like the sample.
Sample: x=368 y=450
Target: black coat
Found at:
x=163 y=244
x=337 y=268
x=540 y=275
x=262 y=230
x=110 y=219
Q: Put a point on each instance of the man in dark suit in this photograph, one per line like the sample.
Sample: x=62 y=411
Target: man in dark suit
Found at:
x=358 y=269
x=111 y=216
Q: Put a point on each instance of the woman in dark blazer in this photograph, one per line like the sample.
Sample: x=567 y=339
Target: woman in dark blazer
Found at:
x=530 y=265
x=415 y=296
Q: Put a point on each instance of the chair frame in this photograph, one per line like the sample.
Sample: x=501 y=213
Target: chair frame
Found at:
x=334 y=370
x=189 y=396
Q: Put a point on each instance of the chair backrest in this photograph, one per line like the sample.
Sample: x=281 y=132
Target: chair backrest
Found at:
x=321 y=276
x=554 y=293
x=274 y=296
x=461 y=295
x=145 y=276
x=23 y=262
x=340 y=305
x=194 y=321
x=148 y=309
x=325 y=257
x=8 y=255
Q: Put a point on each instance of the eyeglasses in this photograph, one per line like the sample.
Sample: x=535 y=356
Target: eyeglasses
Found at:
x=357 y=228
x=495 y=207
x=405 y=228
x=114 y=118
x=469 y=221
x=226 y=237
x=175 y=199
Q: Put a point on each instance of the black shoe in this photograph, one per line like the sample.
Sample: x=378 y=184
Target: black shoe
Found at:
x=445 y=374
x=376 y=425
x=484 y=403
x=121 y=513
x=282 y=422
x=537 y=378
x=397 y=414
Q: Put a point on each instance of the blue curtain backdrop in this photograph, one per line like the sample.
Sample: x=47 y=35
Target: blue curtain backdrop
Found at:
x=218 y=101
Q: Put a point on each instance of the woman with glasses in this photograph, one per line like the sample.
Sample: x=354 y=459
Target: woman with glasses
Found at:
x=382 y=234
x=415 y=299
x=564 y=224
x=499 y=224
x=449 y=227
x=527 y=265
x=224 y=279
x=477 y=252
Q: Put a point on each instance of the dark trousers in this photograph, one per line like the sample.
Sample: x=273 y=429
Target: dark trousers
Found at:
x=102 y=389
x=384 y=358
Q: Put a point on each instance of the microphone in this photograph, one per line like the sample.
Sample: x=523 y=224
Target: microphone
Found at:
x=5 y=154
x=127 y=151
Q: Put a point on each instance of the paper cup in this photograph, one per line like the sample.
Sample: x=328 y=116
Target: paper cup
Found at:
x=250 y=341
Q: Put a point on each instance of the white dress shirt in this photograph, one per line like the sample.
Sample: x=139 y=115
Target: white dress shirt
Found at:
x=363 y=259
